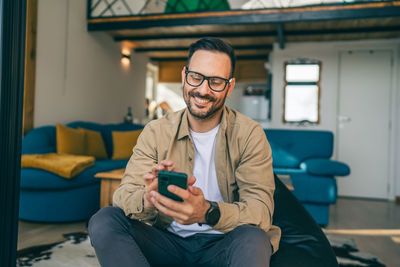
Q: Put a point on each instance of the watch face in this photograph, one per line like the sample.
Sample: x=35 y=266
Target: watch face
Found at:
x=213 y=215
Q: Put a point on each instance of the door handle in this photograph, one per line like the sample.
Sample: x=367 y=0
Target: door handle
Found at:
x=344 y=119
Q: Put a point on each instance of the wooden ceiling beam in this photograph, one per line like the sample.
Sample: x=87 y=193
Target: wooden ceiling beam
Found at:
x=344 y=31
x=257 y=57
x=257 y=34
x=267 y=16
x=185 y=48
x=195 y=36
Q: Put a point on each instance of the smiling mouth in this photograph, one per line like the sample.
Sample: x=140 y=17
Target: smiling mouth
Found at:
x=201 y=101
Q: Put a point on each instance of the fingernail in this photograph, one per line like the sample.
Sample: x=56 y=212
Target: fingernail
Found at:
x=171 y=188
x=153 y=199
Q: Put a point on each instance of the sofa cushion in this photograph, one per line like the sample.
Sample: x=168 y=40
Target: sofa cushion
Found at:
x=314 y=189
x=41 y=179
x=94 y=144
x=325 y=167
x=106 y=130
x=70 y=141
x=107 y=165
x=40 y=140
x=123 y=143
x=118 y=127
x=282 y=158
x=94 y=127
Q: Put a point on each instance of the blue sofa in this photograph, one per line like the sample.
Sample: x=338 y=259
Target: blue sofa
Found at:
x=47 y=197
x=305 y=156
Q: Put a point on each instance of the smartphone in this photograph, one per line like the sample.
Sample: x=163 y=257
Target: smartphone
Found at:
x=165 y=178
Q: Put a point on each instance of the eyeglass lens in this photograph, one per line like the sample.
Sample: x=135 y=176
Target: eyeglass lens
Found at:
x=196 y=79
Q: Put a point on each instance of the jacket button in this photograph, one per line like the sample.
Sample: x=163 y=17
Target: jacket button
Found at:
x=190 y=158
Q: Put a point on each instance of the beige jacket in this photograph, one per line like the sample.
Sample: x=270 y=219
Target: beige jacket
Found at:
x=243 y=164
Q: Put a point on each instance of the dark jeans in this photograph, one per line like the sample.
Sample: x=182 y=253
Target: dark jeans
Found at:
x=121 y=241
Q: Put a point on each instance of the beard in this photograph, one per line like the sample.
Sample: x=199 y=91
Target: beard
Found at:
x=216 y=104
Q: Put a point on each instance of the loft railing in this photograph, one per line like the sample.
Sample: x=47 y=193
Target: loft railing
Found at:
x=123 y=8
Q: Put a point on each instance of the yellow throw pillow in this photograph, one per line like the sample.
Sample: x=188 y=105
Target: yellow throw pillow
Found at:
x=123 y=143
x=69 y=140
x=94 y=144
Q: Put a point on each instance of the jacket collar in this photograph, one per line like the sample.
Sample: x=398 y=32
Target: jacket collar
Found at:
x=184 y=125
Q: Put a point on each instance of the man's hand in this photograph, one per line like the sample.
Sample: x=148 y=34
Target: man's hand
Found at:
x=193 y=208
x=152 y=181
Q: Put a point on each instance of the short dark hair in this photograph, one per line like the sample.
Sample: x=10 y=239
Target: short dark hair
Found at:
x=213 y=44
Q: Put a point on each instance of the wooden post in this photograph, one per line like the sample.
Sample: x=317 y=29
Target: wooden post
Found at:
x=30 y=65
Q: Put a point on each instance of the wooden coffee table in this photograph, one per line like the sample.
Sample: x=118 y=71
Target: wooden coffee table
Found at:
x=109 y=183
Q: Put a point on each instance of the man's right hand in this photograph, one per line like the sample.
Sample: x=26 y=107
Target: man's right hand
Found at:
x=152 y=181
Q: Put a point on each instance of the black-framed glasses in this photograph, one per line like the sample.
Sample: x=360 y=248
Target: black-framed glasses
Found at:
x=216 y=84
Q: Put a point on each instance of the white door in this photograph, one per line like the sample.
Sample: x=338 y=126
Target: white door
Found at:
x=363 y=133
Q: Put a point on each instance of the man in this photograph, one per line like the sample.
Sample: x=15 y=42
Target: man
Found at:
x=225 y=218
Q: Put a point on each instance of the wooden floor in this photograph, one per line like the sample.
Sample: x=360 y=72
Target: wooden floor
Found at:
x=374 y=225
x=33 y=234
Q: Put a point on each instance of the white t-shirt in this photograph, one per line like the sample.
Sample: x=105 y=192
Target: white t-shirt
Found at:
x=206 y=179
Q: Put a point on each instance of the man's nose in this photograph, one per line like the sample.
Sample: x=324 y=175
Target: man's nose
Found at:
x=204 y=88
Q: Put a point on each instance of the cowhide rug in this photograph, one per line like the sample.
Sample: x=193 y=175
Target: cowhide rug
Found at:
x=76 y=251
x=348 y=255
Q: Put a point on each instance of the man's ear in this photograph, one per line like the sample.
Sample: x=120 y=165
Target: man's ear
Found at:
x=230 y=88
x=183 y=74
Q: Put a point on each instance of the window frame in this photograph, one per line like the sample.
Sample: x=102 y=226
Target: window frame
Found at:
x=318 y=84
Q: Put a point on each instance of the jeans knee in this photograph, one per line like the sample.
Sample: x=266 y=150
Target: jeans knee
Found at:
x=104 y=222
x=249 y=246
x=250 y=235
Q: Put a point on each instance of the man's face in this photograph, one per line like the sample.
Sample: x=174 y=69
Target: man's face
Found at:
x=202 y=102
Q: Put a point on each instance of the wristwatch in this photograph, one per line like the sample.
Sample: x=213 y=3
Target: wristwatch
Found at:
x=213 y=213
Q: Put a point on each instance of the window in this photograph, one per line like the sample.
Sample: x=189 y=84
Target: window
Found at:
x=302 y=92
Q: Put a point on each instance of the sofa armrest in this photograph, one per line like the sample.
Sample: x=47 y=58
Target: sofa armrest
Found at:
x=324 y=167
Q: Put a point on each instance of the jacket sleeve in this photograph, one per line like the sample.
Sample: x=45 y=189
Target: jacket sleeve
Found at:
x=130 y=193
x=255 y=185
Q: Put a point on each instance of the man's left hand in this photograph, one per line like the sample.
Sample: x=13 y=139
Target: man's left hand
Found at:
x=192 y=210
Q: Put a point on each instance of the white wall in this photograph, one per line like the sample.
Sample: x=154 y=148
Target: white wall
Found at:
x=327 y=53
x=78 y=74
